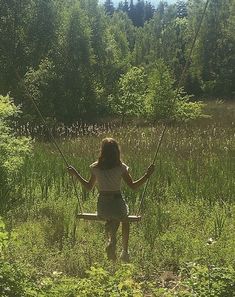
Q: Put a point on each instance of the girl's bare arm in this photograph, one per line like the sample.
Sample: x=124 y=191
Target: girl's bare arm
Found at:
x=136 y=184
x=88 y=184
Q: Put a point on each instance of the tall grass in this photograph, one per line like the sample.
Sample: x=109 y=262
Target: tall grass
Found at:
x=194 y=163
x=190 y=197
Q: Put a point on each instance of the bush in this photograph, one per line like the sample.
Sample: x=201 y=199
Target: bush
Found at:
x=99 y=282
x=164 y=102
x=13 y=149
x=13 y=280
x=131 y=93
x=211 y=281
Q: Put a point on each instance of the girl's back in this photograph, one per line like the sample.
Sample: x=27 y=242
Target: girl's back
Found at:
x=108 y=180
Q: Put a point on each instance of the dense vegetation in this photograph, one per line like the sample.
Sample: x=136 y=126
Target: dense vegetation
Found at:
x=73 y=55
x=184 y=245
x=90 y=67
x=13 y=150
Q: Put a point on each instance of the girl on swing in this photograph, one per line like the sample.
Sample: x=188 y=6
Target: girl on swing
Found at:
x=107 y=173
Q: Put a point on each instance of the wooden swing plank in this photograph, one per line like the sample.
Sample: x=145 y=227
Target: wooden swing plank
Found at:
x=95 y=217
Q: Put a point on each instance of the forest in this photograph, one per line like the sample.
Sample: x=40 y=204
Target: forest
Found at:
x=75 y=56
x=158 y=79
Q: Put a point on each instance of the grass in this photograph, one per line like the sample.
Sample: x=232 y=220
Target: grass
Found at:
x=188 y=214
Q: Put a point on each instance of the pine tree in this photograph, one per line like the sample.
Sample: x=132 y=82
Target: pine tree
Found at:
x=109 y=7
x=148 y=11
x=120 y=6
x=139 y=13
x=131 y=12
x=181 y=9
x=126 y=6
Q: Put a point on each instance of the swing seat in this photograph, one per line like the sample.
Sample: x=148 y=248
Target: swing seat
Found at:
x=95 y=217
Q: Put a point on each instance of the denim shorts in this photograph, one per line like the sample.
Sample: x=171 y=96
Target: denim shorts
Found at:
x=112 y=206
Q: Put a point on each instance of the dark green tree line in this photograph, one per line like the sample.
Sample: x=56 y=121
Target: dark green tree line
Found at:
x=138 y=12
x=71 y=55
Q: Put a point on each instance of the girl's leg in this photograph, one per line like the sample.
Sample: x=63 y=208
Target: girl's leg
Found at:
x=114 y=228
x=125 y=239
x=111 y=228
x=107 y=229
x=125 y=235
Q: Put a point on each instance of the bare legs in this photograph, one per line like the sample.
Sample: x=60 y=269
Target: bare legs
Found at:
x=125 y=239
x=111 y=228
x=125 y=235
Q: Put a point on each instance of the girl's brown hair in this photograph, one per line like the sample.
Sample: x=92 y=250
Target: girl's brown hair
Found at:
x=109 y=154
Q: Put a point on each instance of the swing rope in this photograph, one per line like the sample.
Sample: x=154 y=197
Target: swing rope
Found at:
x=179 y=85
x=53 y=140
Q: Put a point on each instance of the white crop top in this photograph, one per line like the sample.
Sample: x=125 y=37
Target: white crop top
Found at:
x=108 y=179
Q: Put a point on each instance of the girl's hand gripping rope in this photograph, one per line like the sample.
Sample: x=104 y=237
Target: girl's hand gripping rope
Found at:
x=71 y=170
x=150 y=170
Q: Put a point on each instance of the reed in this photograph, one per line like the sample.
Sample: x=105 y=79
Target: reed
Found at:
x=184 y=203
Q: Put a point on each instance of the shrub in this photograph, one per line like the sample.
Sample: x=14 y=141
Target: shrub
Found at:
x=211 y=281
x=13 y=149
x=164 y=102
x=14 y=282
x=131 y=93
x=99 y=282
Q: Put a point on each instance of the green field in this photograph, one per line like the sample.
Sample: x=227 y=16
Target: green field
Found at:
x=185 y=243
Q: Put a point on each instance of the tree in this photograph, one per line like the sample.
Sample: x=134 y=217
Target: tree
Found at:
x=124 y=6
x=131 y=13
x=162 y=6
x=74 y=89
x=130 y=99
x=161 y=95
x=212 y=60
x=181 y=9
x=42 y=30
x=103 y=63
x=164 y=101
x=148 y=11
x=39 y=82
x=121 y=37
x=109 y=8
x=15 y=18
x=139 y=14
x=164 y=37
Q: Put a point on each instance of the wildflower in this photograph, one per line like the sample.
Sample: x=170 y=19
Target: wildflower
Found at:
x=210 y=241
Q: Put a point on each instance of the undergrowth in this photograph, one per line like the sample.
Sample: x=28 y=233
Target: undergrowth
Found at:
x=183 y=246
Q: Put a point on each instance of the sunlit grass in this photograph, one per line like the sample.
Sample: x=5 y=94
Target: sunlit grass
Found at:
x=190 y=198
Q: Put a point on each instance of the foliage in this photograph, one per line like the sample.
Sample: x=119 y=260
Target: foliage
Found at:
x=37 y=85
x=98 y=282
x=161 y=96
x=211 y=281
x=131 y=93
x=73 y=56
x=3 y=238
x=188 y=216
x=13 y=280
x=166 y=102
x=109 y=8
x=139 y=12
x=13 y=149
x=187 y=110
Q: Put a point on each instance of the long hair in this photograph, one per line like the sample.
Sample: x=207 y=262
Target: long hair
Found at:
x=109 y=154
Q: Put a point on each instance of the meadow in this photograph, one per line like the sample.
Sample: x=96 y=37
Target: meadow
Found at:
x=184 y=244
